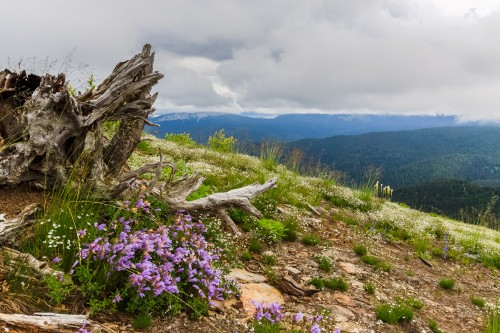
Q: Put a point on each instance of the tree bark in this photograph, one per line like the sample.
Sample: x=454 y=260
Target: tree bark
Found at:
x=47 y=132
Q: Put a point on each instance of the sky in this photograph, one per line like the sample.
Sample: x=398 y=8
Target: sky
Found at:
x=410 y=57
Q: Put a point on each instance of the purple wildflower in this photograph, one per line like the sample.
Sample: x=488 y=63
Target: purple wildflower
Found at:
x=56 y=260
x=298 y=317
x=315 y=329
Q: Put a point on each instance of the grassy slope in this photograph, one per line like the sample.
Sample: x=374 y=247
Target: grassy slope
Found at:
x=225 y=171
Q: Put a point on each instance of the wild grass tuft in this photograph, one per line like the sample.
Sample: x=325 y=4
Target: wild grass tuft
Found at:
x=393 y=313
x=478 y=301
x=434 y=327
x=360 y=250
x=377 y=263
x=446 y=284
x=369 y=288
x=311 y=239
x=324 y=263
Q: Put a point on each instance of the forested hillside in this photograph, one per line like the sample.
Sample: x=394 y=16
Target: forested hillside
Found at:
x=406 y=158
x=458 y=199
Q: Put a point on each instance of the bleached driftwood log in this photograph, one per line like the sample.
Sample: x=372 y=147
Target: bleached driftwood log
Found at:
x=216 y=203
x=45 y=322
x=9 y=227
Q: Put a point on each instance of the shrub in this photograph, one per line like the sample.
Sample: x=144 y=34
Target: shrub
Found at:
x=268 y=259
x=246 y=256
x=221 y=143
x=446 y=283
x=393 y=313
x=291 y=227
x=324 y=263
x=255 y=246
x=146 y=147
x=181 y=138
x=271 y=230
x=318 y=282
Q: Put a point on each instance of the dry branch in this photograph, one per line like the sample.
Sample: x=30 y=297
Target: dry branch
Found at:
x=8 y=228
x=216 y=203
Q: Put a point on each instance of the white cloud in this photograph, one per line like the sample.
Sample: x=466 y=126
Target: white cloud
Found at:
x=390 y=56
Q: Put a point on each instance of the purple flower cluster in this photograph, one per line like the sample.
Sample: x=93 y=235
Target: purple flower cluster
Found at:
x=271 y=312
x=159 y=260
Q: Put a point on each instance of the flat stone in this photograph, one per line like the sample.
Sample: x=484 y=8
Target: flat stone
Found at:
x=292 y=270
x=244 y=276
x=343 y=299
x=340 y=312
x=260 y=293
x=350 y=268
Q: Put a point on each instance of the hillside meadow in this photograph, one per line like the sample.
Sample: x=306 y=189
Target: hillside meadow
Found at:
x=372 y=265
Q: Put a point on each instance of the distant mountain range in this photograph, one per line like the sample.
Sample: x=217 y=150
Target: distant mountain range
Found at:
x=291 y=127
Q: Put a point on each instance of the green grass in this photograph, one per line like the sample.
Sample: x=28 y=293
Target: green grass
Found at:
x=255 y=245
x=446 y=284
x=246 y=256
x=394 y=313
x=311 y=239
x=360 y=250
x=336 y=284
x=369 y=288
x=318 y=282
x=434 y=327
x=493 y=323
x=377 y=263
x=478 y=301
x=268 y=259
x=324 y=263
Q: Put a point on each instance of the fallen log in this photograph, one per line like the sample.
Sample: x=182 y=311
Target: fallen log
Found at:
x=45 y=322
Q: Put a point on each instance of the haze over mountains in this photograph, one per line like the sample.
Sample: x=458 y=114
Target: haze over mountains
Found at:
x=291 y=127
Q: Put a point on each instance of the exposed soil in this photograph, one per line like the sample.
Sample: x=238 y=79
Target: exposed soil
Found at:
x=13 y=200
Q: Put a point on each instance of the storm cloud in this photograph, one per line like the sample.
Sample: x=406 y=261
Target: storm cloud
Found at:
x=278 y=56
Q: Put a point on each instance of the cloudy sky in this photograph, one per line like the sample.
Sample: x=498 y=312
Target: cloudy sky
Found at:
x=276 y=56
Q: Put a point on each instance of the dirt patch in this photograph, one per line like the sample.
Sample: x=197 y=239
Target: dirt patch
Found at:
x=14 y=199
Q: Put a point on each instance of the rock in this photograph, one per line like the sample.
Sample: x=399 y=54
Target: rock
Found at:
x=343 y=299
x=244 y=276
x=448 y=309
x=350 y=268
x=292 y=270
x=342 y=312
x=258 y=292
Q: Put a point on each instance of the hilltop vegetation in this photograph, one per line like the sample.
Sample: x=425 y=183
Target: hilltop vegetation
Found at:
x=392 y=242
